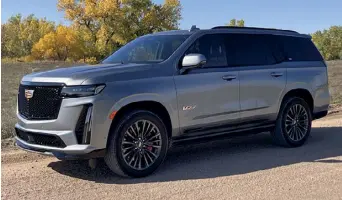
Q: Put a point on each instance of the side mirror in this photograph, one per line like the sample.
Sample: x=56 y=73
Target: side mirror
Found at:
x=192 y=61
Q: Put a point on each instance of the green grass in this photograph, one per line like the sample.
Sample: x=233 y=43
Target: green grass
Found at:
x=11 y=73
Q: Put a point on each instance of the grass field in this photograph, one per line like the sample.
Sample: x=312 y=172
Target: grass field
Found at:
x=11 y=73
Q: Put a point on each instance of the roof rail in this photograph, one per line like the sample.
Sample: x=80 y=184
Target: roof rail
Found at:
x=251 y=28
x=194 y=28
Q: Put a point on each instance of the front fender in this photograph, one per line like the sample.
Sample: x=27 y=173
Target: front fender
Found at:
x=161 y=90
x=168 y=104
x=139 y=98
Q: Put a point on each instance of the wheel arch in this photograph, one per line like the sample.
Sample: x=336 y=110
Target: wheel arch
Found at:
x=149 y=105
x=301 y=93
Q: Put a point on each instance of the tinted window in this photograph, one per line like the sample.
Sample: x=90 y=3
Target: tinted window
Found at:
x=248 y=49
x=212 y=47
x=276 y=47
x=154 y=48
x=300 y=49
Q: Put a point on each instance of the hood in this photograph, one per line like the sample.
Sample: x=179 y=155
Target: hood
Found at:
x=78 y=75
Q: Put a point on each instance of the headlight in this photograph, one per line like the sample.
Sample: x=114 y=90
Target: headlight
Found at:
x=82 y=90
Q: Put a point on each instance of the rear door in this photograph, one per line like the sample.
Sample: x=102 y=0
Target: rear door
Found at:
x=262 y=76
x=208 y=97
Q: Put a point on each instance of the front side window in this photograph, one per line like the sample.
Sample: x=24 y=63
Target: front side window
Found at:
x=147 y=49
x=212 y=47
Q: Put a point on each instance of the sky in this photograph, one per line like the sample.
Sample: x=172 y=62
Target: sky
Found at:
x=304 y=16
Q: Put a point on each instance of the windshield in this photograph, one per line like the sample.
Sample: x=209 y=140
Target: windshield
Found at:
x=155 y=48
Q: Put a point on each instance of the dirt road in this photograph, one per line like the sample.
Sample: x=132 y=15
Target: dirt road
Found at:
x=240 y=168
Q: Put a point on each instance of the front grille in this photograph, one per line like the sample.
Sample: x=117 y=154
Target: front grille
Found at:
x=44 y=103
x=40 y=139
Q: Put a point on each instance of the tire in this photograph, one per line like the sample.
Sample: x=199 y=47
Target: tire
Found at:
x=290 y=132
x=129 y=153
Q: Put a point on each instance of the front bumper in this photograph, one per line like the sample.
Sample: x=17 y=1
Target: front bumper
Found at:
x=65 y=126
x=64 y=136
x=68 y=153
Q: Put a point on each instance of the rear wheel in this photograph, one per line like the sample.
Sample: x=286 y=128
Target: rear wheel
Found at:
x=293 y=125
x=138 y=145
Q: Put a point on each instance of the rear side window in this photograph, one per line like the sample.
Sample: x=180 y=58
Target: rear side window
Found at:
x=276 y=47
x=299 y=49
x=248 y=50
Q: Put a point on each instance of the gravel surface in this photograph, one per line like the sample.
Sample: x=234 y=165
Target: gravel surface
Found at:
x=239 y=168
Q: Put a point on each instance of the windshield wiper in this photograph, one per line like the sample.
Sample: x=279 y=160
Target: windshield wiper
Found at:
x=120 y=62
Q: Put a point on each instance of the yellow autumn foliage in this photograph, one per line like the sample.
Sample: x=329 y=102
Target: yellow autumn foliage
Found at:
x=56 y=45
x=97 y=28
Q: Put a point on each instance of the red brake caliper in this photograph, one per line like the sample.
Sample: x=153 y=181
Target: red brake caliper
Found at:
x=149 y=148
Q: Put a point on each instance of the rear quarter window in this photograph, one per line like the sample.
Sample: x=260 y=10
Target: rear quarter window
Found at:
x=299 y=49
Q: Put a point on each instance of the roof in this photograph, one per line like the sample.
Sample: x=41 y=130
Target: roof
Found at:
x=256 y=30
x=252 y=28
x=233 y=29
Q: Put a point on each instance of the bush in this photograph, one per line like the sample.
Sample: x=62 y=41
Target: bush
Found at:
x=28 y=58
x=91 y=60
x=8 y=60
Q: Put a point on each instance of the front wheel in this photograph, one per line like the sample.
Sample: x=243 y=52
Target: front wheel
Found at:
x=293 y=125
x=138 y=145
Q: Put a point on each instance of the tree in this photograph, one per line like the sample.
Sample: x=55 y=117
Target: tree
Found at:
x=10 y=39
x=99 y=27
x=329 y=42
x=241 y=23
x=58 y=45
x=112 y=23
x=20 y=34
x=234 y=22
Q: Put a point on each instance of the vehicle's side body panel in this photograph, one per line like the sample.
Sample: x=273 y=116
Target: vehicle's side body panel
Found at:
x=260 y=90
x=206 y=99
x=311 y=76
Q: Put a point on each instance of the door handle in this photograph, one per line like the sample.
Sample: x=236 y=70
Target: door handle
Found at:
x=276 y=74
x=229 y=77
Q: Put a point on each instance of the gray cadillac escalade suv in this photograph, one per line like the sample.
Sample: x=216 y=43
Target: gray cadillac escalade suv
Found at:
x=173 y=86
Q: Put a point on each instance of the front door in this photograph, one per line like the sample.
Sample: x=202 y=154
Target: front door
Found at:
x=208 y=97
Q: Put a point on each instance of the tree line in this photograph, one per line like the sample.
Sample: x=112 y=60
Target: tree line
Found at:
x=97 y=28
x=329 y=42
